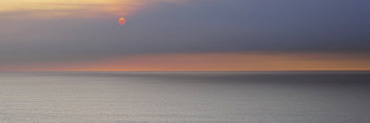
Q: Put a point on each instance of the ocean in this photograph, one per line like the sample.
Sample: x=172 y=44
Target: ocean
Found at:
x=185 y=97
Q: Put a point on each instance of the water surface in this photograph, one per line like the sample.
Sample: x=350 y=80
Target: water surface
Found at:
x=188 y=97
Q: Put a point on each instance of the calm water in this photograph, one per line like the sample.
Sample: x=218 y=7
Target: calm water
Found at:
x=305 y=97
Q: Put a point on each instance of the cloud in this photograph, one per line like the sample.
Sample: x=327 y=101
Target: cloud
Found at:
x=193 y=26
x=71 y=8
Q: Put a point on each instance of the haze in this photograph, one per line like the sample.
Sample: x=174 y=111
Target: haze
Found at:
x=184 y=35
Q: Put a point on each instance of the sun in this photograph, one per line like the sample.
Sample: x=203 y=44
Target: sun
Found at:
x=122 y=21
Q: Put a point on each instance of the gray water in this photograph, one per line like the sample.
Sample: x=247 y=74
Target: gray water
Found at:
x=154 y=97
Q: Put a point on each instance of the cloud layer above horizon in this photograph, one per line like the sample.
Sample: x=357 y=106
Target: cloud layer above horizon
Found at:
x=49 y=9
x=55 y=31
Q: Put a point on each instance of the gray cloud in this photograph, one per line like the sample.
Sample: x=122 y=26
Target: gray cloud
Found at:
x=195 y=26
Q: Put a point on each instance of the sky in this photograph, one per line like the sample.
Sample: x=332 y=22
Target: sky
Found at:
x=184 y=35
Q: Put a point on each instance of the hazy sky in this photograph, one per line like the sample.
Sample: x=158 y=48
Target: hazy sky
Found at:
x=57 y=34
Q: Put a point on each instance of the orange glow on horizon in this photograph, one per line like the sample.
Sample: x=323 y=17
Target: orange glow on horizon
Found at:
x=211 y=62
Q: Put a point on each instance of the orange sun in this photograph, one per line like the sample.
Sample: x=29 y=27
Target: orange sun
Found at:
x=122 y=21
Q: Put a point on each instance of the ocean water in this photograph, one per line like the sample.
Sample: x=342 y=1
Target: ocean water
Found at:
x=188 y=97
